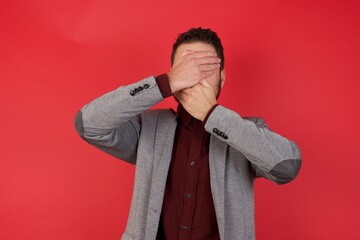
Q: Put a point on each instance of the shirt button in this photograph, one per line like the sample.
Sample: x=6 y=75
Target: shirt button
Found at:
x=146 y=86
x=192 y=163
x=184 y=227
x=188 y=195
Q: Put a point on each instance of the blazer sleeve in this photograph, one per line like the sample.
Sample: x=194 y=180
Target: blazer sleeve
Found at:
x=112 y=122
x=271 y=155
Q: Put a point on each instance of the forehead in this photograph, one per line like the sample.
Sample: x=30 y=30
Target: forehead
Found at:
x=195 y=46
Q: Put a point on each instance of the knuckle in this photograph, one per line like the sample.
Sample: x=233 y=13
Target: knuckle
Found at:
x=190 y=57
x=187 y=101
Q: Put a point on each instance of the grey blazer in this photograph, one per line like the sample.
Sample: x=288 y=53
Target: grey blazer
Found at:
x=241 y=149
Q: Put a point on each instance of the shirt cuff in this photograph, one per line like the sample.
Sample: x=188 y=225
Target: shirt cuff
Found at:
x=164 y=85
x=209 y=113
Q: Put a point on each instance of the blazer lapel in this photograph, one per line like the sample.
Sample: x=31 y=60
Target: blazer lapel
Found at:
x=217 y=161
x=164 y=140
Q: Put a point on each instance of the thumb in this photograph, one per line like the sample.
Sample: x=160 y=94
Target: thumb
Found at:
x=207 y=89
x=205 y=83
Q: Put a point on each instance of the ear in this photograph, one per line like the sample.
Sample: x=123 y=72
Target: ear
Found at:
x=222 y=77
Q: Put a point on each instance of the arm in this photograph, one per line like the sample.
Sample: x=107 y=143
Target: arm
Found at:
x=271 y=155
x=112 y=122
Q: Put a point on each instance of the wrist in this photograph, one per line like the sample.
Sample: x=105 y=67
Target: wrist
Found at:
x=209 y=113
x=172 y=83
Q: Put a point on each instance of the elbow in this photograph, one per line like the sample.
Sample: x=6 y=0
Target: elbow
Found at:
x=286 y=171
x=79 y=124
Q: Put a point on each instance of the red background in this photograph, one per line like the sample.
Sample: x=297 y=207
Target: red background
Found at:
x=295 y=63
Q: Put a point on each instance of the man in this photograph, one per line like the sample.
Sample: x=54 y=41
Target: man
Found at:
x=195 y=168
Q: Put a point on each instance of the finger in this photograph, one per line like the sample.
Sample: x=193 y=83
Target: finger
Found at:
x=188 y=52
x=207 y=74
x=205 y=83
x=206 y=86
x=195 y=90
x=209 y=67
x=208 y=60
x=202 y=54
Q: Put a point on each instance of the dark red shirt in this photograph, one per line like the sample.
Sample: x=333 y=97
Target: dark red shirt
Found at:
x=188 y=210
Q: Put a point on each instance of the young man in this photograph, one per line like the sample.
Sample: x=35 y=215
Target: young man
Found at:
x=195 y=168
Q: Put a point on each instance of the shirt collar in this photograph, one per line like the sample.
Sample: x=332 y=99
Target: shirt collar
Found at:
x=189 y=121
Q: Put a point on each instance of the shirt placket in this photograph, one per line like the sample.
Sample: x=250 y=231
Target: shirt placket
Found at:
x=189 y=196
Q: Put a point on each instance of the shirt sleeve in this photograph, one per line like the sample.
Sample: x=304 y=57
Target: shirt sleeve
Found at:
x=164 y=85
x=208 y=114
